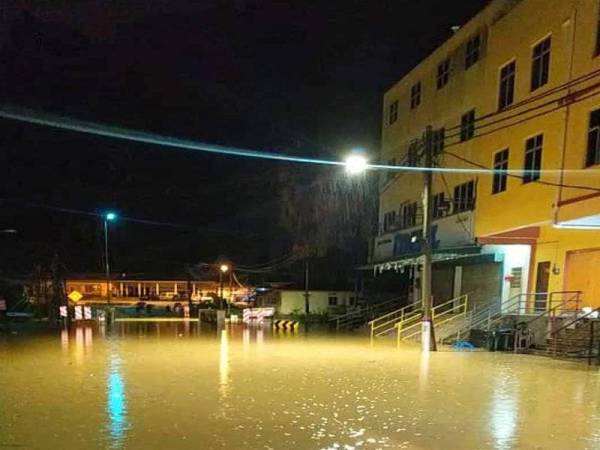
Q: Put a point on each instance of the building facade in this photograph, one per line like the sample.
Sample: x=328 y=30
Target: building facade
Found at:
x=93 y=289
x=292 y=301
x=514 y=92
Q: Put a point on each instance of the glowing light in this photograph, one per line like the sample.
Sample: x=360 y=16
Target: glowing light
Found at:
x=224 y=268
x=110 y=216
x=356 y=164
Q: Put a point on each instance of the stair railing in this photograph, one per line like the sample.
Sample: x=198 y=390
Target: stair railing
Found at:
x=386 y=322
x=440 y=315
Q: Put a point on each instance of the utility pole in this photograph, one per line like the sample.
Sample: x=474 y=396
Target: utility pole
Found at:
x=306 y=287
x=106 y=262
x=427 y=332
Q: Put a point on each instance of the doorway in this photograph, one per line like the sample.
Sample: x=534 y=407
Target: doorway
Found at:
x=541 y=286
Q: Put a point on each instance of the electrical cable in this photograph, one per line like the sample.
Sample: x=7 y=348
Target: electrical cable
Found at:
x=54 y=121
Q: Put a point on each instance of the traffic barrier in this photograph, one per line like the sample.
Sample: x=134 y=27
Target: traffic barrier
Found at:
x=79 y=313
x=286 y=324
x=63 y=311
x=87 y=312
x=258 y=314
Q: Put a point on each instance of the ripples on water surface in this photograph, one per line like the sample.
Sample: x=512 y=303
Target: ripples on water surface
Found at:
x=173 y=386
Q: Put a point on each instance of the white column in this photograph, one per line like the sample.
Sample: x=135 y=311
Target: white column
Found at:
x=139 y=289
x=121 y=288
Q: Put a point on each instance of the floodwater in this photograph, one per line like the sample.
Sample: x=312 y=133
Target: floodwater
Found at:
x=175 y=386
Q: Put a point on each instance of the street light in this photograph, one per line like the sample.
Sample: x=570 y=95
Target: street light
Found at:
x=356 y=164
x=108 y=217
x=223 y=269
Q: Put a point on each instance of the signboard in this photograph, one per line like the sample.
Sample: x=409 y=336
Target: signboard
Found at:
x=75 y=296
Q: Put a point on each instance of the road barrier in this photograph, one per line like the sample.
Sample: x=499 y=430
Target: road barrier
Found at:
x=286 y=324
x=258 y=314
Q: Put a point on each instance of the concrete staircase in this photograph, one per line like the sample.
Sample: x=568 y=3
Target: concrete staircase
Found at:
x=359 y=316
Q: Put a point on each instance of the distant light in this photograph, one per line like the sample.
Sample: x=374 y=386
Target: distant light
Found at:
x=9 y=231
x=356 y=164
x=414 y=238
x=224 y=268
x=110 y=216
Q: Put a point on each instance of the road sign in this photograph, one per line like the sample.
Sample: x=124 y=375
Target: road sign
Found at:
x=75 y=296
x=78 y=313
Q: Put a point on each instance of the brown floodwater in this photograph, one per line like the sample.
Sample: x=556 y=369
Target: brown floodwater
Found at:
x=176 y=386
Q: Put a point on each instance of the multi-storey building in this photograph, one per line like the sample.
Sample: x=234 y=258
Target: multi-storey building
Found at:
x=516 y=90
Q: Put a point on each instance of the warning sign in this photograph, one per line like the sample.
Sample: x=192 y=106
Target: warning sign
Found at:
x=75 y=296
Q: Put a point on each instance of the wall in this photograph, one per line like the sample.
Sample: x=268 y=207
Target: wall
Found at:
x=292 y=301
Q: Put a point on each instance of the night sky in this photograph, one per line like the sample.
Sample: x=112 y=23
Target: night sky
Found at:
x=269 y=75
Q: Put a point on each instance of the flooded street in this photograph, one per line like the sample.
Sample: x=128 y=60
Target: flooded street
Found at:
x=173 y=386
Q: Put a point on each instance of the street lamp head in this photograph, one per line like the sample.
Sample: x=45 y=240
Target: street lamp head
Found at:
x=224 y=268
x=110 y=216
x=356 y=164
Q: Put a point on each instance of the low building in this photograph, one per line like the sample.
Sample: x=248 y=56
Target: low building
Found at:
x=132 y=289
x=292 y=301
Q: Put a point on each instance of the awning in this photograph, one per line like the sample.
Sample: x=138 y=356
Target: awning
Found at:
x=438 y=255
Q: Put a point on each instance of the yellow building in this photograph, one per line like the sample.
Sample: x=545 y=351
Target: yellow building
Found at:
x=516 y=88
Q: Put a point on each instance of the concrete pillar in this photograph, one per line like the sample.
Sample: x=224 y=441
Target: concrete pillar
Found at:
x=175 y=288
x=157 y=290
x=139 y=290
x=121 y=289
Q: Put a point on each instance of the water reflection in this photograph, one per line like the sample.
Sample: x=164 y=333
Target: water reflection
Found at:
x=504 y=411
x=224 y=363
x=116 y=401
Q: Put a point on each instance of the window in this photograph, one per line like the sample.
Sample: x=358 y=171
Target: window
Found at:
x=413 y=154
x=467 y=125
x=332 y=300
x=473 y=49
x=533 y=158
x=507 y=85
x=415 y=95
x=443 y=73
x=409 y=215
x=439 y=205
x=593 y=146
x=464 y=197
x=437 y=141
x=540 y=65
x=389 y=220
x=393 y=112
x=500 y=168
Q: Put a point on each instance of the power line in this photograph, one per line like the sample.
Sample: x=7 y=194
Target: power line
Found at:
x=508 y=173
x=54 y=121
x=532 y=99
x=61 y=209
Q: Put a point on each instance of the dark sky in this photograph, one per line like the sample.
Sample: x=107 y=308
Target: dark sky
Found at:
x=287 y=76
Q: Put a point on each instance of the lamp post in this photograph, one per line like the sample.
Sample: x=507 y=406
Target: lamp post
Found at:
x=108 y=217
x=223 y=269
